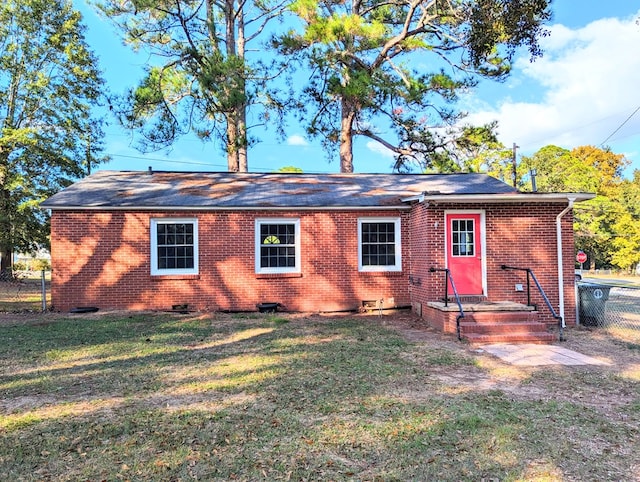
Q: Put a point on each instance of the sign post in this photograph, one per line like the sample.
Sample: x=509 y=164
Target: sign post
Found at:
x=581 y=257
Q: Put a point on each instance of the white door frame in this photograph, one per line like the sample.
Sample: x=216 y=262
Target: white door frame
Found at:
x=483 y=240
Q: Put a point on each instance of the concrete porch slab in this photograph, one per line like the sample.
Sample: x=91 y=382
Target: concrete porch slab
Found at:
x=481 y=306
x=538 y=355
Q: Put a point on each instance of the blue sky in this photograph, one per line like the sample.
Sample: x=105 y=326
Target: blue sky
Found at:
x=580 y=92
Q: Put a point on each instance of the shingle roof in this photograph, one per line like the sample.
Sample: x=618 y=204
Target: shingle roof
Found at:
x=129 y=189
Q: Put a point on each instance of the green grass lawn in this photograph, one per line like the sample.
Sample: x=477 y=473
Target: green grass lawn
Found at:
x=253 y=397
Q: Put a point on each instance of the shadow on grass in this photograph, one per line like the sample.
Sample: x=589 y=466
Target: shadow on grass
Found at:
x=162 y=397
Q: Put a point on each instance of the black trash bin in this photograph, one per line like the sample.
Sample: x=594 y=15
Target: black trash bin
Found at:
x=592 y=298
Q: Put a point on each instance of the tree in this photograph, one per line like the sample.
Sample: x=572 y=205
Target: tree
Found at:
x=290 y=170
x=49 y=83
x=201 y=79
x=626 y=244
x=558 y=170
x=626 y=253
x=603 y=225
x=595 y=224
x=609 y=166
x=474 y=149
x=389 y=70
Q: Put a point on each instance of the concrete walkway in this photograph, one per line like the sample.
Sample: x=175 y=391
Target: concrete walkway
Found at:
x=537 y=355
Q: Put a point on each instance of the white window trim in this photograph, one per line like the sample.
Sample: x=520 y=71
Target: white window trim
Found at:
x=398 y=244
x=296 y=224
x=154 y=246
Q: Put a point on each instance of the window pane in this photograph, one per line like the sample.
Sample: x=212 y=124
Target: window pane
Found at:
x=175 y=245
x=378 y=244
x=462 y=237
x=277 y=245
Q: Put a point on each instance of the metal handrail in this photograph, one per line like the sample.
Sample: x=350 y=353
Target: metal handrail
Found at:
x=449 y=279
x=542 y=293
x=529 y=274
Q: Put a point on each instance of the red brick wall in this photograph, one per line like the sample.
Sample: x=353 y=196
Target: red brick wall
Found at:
x=102 y=258
x=521 y=235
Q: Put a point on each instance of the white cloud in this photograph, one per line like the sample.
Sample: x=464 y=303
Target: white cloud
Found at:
x=297 y=140
x=584 y=87
x=378 y=148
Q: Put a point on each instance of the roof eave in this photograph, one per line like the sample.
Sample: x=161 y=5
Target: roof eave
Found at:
x=224 y=208
x=501 y=198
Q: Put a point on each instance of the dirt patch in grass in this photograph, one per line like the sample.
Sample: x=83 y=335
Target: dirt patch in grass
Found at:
x=622 y=357
x=151 y=396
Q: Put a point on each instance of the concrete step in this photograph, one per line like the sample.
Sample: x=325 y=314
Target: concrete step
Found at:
x=501 y=316
x=537 y=337
x=503 y=327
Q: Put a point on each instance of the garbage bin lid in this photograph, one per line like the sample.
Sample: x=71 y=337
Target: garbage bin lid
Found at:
x=584 y=284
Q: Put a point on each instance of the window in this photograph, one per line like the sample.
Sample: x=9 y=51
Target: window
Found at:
x=174 y=246
x=277 y=246
x=379 y=246
x=462 y=234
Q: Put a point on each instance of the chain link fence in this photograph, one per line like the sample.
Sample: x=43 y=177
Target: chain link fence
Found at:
x=23 y=291
x=610 y=307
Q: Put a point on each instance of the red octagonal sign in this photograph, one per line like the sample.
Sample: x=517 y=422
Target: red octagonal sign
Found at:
x=581 y=257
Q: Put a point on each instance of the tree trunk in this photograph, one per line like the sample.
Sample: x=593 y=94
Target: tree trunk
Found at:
x=6 y=255
x=243 y=163
x=346 y=135
x=233 y=161
x=6 y=248
x=236 y=116
x=241 y=108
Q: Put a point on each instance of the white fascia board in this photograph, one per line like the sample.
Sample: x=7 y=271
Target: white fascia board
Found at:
x=501 y=198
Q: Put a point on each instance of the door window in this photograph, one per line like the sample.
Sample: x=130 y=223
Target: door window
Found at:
x=462 y=237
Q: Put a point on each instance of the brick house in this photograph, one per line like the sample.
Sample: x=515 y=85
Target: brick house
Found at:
x=331 y=242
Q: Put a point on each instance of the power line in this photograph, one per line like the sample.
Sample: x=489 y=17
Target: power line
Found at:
x=553 y=136
x=620 y=126
x=173 y=161
x=221 y=166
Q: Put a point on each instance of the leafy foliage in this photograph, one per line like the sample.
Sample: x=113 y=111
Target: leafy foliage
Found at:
x=559 y=170
x=200 y=78
x=472 y=149
x=607 y=227
x=49 y=82
x=390 y=70
x=290 y=169
x=626 y=228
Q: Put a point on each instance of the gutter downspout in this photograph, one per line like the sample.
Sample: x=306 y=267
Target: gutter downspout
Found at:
x=561 y=258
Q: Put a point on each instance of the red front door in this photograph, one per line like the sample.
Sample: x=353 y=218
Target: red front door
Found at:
x=464 y=252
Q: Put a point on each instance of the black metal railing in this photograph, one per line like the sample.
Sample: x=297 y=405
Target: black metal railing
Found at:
x=532 y=276
x=449 y=279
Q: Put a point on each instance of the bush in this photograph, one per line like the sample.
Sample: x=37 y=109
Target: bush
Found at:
x=40 y=265
x=20 y=266
x=32 y=265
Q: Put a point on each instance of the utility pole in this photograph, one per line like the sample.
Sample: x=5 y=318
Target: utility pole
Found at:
x=514 y=164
